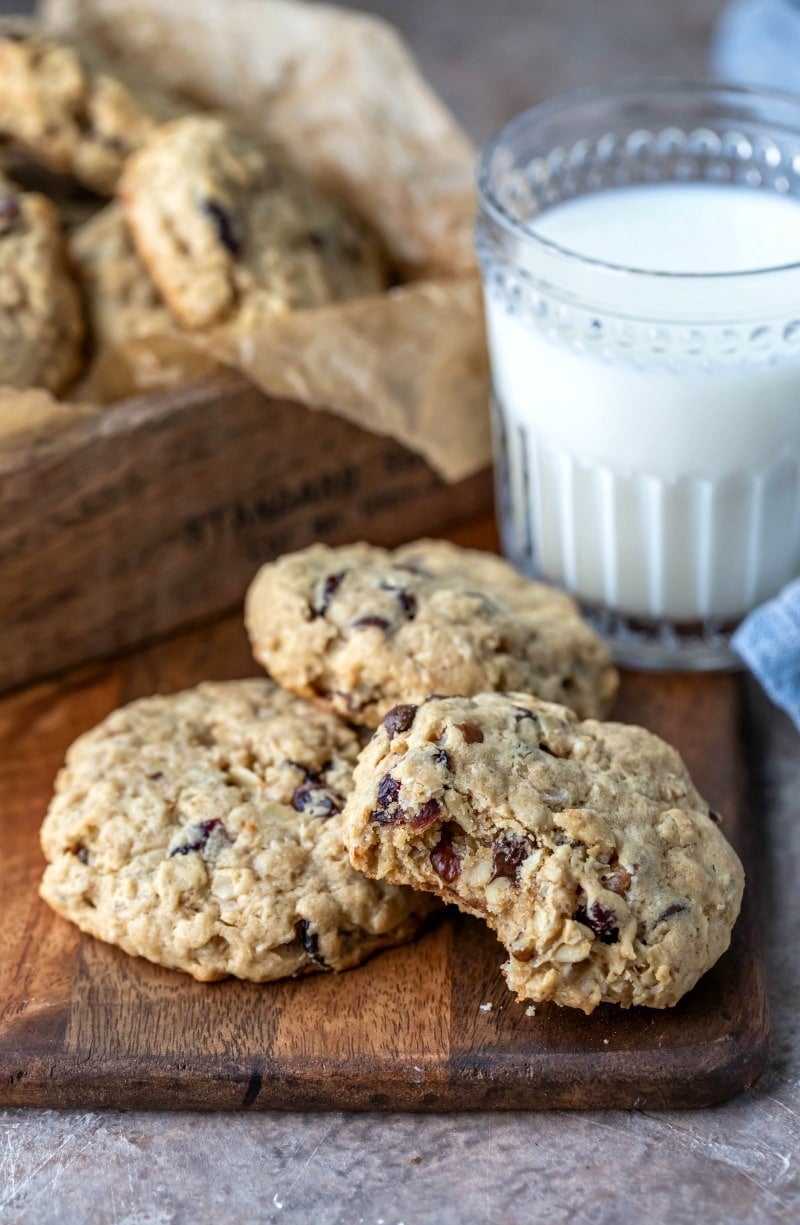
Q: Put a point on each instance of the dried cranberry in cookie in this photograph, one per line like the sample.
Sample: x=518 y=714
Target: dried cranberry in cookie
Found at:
x=585 y=846
x=369 y=632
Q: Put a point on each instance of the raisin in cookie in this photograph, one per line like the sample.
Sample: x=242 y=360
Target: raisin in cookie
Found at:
x=230 y=231
x=585 y=846
x=65 y=107
x=360 y=628
x=203 y=832
x=41 y=323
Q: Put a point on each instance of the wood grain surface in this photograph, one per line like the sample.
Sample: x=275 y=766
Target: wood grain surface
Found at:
x=82 y=1024
x=156 y=512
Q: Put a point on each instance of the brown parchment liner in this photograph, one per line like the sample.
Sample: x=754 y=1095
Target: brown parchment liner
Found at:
x=339 y=91
x=28 y=415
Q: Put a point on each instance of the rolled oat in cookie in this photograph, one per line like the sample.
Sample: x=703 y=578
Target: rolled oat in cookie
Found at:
x=203 y=831
x=585 y=846
x=360 y=629
x=229 y=230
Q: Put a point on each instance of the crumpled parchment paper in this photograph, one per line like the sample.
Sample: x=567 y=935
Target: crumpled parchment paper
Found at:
x=340 y=93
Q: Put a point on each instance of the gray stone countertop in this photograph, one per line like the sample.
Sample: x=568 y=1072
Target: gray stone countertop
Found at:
x=737 y=1163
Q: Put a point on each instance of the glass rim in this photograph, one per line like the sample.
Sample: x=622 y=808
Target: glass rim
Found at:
x=647 y=89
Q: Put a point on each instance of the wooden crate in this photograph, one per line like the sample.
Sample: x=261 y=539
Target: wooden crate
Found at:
x=157 y=513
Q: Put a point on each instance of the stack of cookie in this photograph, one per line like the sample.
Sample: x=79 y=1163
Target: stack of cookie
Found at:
x=236 y=828
x=209 y=229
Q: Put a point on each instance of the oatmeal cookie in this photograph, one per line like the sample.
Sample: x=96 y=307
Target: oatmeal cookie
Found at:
x=359 y=629
x=203 y=832
x=229 y=230
x=65 y=107
x=136 y=345
x=585 y=846
x=41 y=322
x=123 y=303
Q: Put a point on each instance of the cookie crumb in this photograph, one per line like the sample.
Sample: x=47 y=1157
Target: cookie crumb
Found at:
x=605 y=1042
x=530 y=1011
x=486 y=1007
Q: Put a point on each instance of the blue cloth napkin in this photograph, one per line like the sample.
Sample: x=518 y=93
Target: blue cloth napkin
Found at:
x=757 y=42
x=768 y=641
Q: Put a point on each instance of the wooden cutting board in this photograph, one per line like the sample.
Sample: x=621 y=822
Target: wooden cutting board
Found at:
x=83 y=1025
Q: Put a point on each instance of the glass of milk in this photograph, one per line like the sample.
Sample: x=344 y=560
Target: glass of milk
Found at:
x=640 y=249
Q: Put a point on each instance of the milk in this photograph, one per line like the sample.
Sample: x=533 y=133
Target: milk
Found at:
x=678 y=227
x=655 y=470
